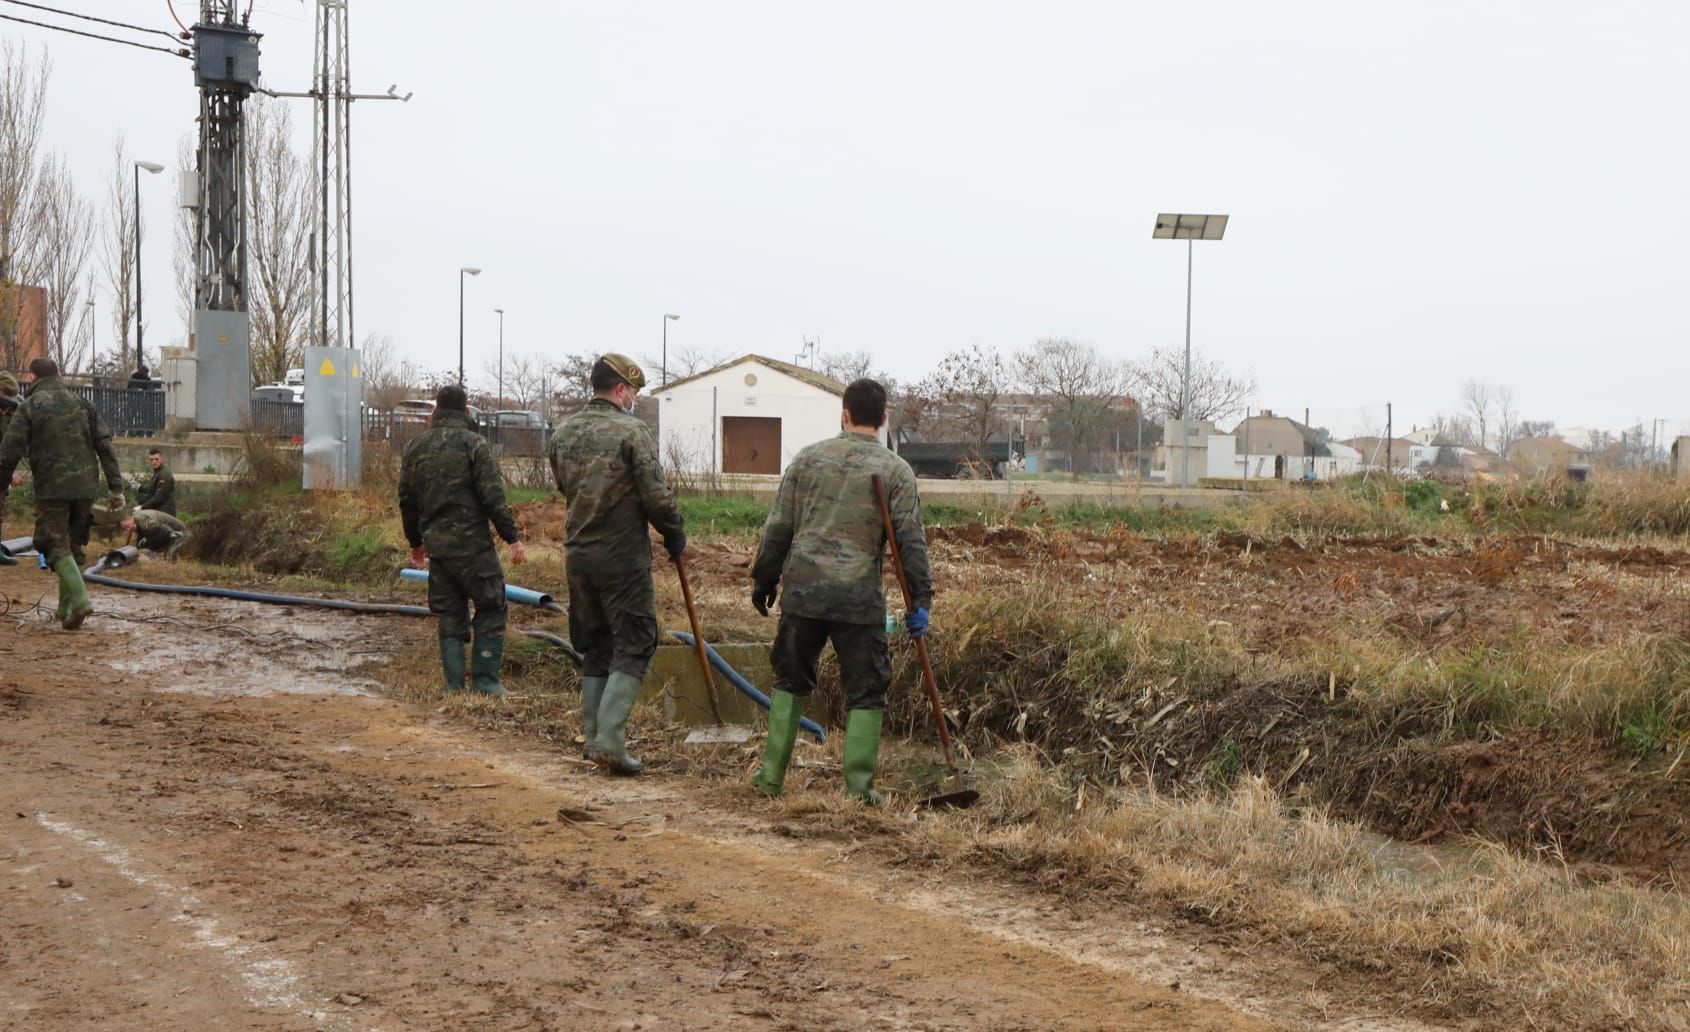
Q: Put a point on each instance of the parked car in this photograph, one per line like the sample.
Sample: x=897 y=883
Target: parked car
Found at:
x=520 y=417
x=422 y=409
x=278 y=392
x=521 y=432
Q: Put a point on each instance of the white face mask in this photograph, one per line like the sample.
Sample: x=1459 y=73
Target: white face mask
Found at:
x=629 y=408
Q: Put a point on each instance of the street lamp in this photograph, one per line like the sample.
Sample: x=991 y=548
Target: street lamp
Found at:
x=461 y=272
x=155 y=168
x=501 y=403
x=664 y=376
x=1188 y=228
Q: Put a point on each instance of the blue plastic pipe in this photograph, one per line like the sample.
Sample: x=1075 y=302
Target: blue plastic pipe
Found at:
x=521 y=596
x=746 y=688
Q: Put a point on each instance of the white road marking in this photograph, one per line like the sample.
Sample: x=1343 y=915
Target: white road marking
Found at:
x=270 y=981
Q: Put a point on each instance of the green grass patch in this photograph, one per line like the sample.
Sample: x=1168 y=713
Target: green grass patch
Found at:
x=361 y=555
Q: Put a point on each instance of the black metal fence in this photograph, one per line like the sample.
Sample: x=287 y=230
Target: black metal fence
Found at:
x=140 y=413
x=127 y=413
x=281 y=418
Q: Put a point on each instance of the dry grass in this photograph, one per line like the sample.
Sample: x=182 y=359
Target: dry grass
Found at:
x=1637 y=505
x=1061 y=649
x=1479 y=931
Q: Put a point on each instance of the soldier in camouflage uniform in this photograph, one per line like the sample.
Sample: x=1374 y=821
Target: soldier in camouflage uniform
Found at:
x=8 y=404
x=605 y=462
x=449 y=489
x=824 y=539
x=68 y=447
x=159 y=492
x=156 y=531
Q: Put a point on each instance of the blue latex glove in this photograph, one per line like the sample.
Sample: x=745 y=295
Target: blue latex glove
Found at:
x=916 y=621
x=676 y=544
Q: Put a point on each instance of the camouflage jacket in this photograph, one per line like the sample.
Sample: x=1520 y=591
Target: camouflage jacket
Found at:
x=157 y=530
x=66 y=442
x=159 y=492
x=449 y=488
x=605 y=463
x=824 y=537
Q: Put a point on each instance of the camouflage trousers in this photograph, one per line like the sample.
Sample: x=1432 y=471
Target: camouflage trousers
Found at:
x=163 y=540
x=865 y=658
x=454 y=583
x=612 y=616
x=62 y=528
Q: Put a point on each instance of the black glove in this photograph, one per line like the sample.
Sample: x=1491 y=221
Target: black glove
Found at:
x=762 y=597
x=676 y=543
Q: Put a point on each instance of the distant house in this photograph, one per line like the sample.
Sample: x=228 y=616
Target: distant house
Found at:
x=1400 y=452
x=1269 y=434
x=32 y=326
x=750 y=415
x=1538 y=456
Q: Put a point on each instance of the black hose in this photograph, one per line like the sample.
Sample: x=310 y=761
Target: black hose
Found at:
x=560 y=641
x=123 y=556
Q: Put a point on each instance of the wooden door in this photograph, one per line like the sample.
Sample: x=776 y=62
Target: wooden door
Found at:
x=750 y=444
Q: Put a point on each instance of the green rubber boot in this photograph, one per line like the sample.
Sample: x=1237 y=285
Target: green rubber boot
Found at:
x=485 y=661
x=862 y=754
x=452 y=662
x=592 y=693
x=609 y=747
x=73 y=594
x=784 y=710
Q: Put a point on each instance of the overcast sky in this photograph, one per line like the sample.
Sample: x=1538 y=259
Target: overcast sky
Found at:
x=1421 y=192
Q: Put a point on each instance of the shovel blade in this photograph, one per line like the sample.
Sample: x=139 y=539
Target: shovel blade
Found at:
x=958 y=799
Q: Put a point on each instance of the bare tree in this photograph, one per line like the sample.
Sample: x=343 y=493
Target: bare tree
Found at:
x=962 y=396
x=1535 y=428
x=845 y=366
x=684 y=360
x=387 y=380
x=23 y=94
x=278 y=241
x=568 y=385
x=524 y=379
x=1452 y=429
x=119 y=253
x=1081 y=385
x=1477 y=400
x=1216 y=392
x=64 y=225
x=1507 y=419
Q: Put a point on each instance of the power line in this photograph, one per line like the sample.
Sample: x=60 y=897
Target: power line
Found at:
x=94 y=35
x=90 y=17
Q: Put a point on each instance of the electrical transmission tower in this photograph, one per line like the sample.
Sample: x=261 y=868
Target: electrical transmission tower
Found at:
x=226 y=72
x=331 y=159
x=333 y=377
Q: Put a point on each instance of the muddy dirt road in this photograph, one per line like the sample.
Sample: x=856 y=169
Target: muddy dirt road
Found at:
x=212 y=821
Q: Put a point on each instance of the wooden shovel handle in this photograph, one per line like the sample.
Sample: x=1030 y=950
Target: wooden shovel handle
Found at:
x=909 y=605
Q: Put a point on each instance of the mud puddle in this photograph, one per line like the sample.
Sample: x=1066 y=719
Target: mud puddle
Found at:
x=220 y=647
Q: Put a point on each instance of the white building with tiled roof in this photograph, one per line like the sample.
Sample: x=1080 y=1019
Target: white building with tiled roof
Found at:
x=750 y=415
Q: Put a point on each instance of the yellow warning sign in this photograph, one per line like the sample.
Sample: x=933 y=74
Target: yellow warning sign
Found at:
x=354 y=370
x=327 y=368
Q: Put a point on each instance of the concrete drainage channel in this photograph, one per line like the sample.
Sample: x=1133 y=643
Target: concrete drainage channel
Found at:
x=674 y=677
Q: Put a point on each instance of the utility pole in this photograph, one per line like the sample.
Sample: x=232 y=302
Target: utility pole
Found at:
x=226 y=71
x=1390 y=466
x=334 y=385
x=1308 y=458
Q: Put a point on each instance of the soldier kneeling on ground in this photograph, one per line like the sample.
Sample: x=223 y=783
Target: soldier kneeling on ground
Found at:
x=156 y=531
